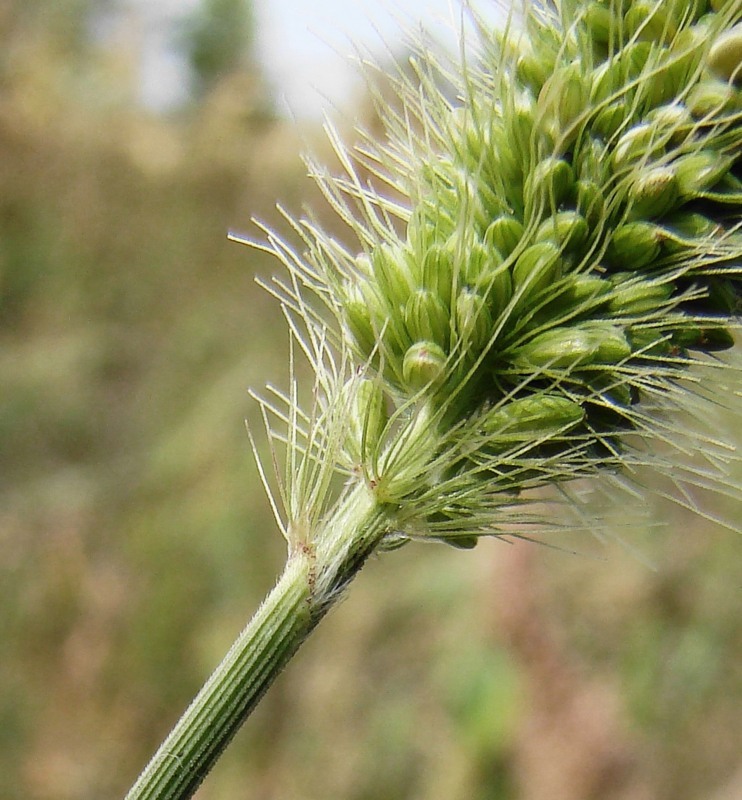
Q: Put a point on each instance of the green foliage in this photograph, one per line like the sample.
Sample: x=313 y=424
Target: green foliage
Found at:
x=216 y=40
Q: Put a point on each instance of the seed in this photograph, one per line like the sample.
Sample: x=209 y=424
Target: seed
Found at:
x=528 y=417
x=563 y=98
x=478 y=264
x=366 y=419
x=438 y=272
x=537 y=268
x=473 y=321
x=568 y=229
x=600 y=22
x=653 y=192
x=699 y=171
x=673 y=120
x=424 y=364
x=648 y=21
x=709 y=340
x=548 y=184
x=638 y=297
x=392 y=275
x=358 y=318
x=611 y=118
x=565 y=347
x=590 y=201
x=725 y=55
x=426 y=318
x=687 y=229
x=711 y=98
x=636 y=145
x=634 y=245
x=504 y=234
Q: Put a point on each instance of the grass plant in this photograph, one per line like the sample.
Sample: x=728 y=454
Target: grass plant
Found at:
x=544 y=255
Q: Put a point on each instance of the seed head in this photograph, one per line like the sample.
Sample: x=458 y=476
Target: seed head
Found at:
x=562 y=247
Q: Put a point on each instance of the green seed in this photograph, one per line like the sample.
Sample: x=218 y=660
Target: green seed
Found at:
x=537 y=267
x=592 y=161
x=392 y=274
x=649 y=342
x=438 y=272
x=634 y=245
x=530 y=417
x=548 y=184
x=638 y=297
x=725 y=55
x=359 y=321
x=520 y=123
x=688 y=229
x=565 y=347
x=367 y=418
x=611 y=344
x=426 y=318
x=498 y=289
x=424 y=364
x=653 y=192
x=568 y=229
x=582 y=290
x=611 y=118
x=533 y=70
x=636 y=145
x=709 y=340
x=504 y=234
x=591 y=201
x=711 y=98
x=600 y=22
x=563 y=98
x=648 y=21
x=626 y=66
x=673 y=120
x=479 y=264
x=700 y=171
x=473 y=321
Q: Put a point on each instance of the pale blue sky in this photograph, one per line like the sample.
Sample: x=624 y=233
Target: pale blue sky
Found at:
x=305 y=46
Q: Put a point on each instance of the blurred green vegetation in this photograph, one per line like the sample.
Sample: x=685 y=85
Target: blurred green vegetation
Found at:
x=135 y=540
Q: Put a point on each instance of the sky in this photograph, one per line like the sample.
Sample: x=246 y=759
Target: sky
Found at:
x=304 y=46
x=307 y=47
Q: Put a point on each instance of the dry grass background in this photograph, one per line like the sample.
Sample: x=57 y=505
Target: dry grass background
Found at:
x=135 y=540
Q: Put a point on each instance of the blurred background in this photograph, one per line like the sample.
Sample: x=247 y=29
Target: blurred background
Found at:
x=135 y=540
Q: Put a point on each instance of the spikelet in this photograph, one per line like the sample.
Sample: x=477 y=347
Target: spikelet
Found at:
x=558 y=254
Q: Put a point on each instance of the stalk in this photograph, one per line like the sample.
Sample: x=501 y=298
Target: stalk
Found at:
x=312 y=581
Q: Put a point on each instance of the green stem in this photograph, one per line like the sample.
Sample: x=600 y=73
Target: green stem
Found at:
x=313 y=579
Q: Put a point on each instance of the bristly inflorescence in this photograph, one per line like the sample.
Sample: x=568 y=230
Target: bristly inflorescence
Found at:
x=557 y=247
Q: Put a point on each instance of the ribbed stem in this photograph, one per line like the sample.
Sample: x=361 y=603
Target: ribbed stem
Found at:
x=312 y=581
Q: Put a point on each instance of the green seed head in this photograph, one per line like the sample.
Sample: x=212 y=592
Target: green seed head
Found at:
x=563 y=247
